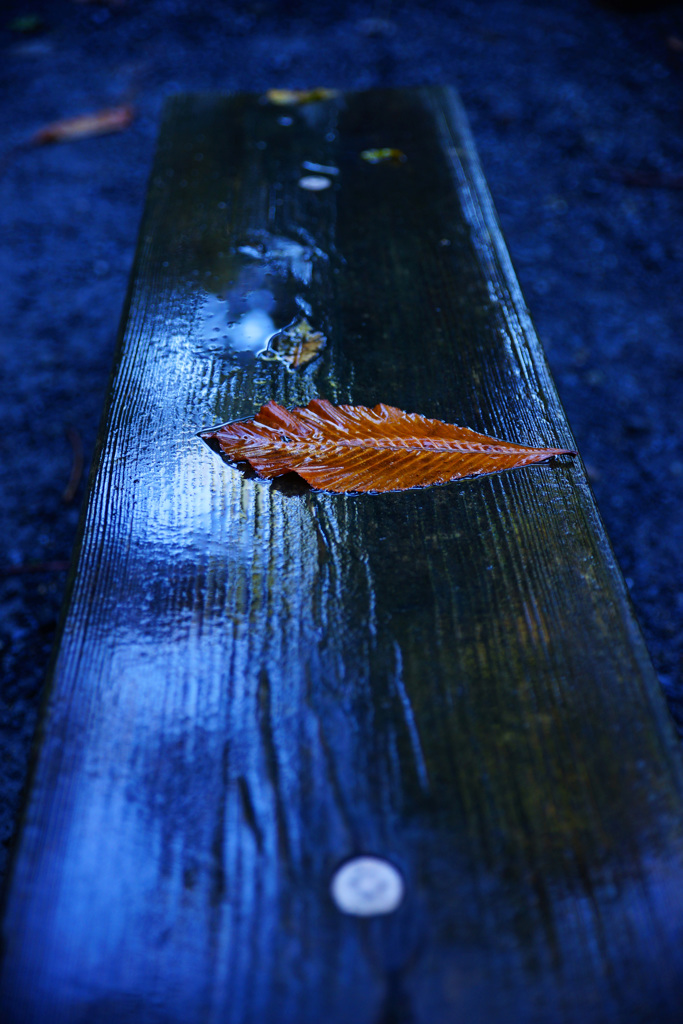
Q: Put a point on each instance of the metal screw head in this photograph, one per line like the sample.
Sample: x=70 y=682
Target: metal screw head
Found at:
x=366 y=886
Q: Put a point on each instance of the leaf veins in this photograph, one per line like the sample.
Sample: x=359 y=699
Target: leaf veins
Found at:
x=352 y=448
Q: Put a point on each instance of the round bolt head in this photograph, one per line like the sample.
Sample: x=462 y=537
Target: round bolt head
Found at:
x=367 y=886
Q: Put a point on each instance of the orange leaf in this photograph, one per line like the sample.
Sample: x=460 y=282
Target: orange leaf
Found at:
x=353 y=448
x=113 y=119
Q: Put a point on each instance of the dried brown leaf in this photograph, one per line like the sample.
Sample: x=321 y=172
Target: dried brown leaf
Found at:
x=112 y=119
x=353 y=448
x=297 y=345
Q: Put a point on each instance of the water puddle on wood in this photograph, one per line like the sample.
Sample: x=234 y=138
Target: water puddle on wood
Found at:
x=260 y=294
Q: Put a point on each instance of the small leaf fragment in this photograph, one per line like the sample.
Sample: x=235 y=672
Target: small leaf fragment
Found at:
x=351 y=448
x=296 y=97
x=383 y=156
x=296 y=345
x=111 y=119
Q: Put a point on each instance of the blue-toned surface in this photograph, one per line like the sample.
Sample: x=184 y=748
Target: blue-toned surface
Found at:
x=254 y=685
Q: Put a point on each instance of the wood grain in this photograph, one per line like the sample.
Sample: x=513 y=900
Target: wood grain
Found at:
x=254 y=685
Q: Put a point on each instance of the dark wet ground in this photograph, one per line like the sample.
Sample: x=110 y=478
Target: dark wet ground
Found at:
x=577 y=112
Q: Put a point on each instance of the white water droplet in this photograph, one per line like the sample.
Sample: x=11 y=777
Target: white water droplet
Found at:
x=314 y=182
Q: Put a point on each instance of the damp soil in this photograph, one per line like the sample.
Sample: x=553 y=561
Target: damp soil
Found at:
x=577 y=113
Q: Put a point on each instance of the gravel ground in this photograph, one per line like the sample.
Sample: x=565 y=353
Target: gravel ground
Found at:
x=577 y=113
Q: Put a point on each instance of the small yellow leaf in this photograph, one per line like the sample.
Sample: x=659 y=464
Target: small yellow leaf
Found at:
x=295 y=97
x=383 y=156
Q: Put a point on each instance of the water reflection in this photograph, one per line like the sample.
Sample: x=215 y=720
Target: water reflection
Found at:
x=262 y=290
x=250 y=332
x=283 y=256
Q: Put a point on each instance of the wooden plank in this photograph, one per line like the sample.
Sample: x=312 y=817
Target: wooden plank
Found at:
x=253 y=686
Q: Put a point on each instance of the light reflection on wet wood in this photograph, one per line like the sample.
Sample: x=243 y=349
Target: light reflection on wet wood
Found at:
x=253 y=686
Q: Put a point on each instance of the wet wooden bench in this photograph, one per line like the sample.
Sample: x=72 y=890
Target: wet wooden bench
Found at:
x=353 y=759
